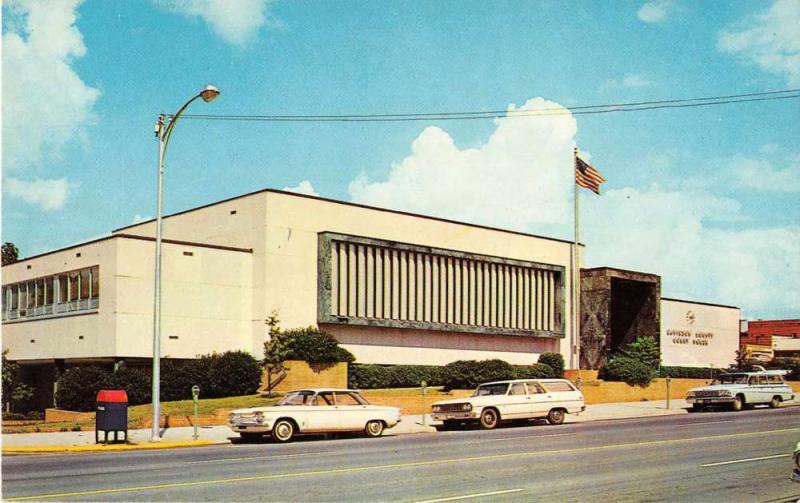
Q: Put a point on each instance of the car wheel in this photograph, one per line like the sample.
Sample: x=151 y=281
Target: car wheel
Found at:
x=775 y=402
x=738 y=403
x=374 y=429
x=489 y=419
x=694 y=408
x=250 y=437
x=282 y=430
x=556 y=416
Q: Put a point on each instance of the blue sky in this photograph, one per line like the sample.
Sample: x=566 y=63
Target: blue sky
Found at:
x=707 y=197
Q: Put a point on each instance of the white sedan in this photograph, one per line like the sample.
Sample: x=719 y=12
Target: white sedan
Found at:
x=314 y=411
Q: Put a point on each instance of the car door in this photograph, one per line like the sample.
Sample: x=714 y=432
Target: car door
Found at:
x=351 y=415
x=321 y=413
x=517 y=402
x=538 y=405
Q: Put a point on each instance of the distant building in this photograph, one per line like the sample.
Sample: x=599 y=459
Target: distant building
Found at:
x=781 y=336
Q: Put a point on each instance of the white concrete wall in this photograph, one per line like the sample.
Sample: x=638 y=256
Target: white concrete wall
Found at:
x=683 y=325
x=207 y=299
x=293 y=224
x=240 y=223
x=60 y=337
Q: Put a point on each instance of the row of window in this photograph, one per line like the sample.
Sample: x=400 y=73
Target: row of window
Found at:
x=60 y=293
x=376 y=282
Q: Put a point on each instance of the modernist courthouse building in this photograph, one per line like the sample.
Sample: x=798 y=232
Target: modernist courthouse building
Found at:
x=392 y=287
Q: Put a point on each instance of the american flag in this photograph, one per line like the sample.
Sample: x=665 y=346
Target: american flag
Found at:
x=586 y=176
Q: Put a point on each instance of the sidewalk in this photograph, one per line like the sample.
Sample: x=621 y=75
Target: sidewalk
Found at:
x=83 y=441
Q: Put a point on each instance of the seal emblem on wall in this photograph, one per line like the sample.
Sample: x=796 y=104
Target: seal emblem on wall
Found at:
x=690 y=317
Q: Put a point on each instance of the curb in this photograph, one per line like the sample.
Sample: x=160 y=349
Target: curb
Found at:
x=105 y=447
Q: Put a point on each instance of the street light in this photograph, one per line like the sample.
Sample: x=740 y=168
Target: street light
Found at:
x=163 y=131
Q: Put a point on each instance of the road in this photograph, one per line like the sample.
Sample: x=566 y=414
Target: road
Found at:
x=712 y=456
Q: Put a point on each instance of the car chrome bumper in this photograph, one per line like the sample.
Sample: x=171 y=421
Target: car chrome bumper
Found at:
x=711 y=400
x=446 y=416
x=250 y=428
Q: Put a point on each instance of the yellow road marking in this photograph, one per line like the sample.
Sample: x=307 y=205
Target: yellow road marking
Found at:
x=264 y=458
x=470 y=496
x=171 y=485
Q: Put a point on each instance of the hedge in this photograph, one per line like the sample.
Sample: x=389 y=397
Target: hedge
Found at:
x=361 y=376
x=463 y=374
x=629 y=370
x=690 y=372
x=467 y=374
x=233 y=373
x=555 y=361
x=312 y=346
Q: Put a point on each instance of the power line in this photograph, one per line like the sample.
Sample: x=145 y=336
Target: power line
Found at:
x=496 y=114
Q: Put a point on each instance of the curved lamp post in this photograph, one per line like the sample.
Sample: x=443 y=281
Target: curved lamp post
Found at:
x=163 y=131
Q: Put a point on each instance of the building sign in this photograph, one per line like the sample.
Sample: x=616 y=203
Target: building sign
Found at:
x=689 y=337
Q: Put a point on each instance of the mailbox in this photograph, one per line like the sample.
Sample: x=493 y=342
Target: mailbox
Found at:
x=111 y=414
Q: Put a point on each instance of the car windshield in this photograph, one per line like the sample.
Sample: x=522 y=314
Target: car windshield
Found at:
x=297 y=398
x=491 y=389
x=731 y=379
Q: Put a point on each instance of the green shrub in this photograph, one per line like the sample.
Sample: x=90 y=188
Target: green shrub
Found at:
x=313 y=346
x=78 y=387
x=178 y=377
x=362 y=376
x=689 y=372
x=535 y=371
x=555 y=361
x=232 y=373
x=15 y=394
x=467 y=374
x=644 y=349
x=627 y=369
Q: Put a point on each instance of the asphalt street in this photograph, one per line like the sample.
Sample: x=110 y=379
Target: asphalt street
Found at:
x=712 y=456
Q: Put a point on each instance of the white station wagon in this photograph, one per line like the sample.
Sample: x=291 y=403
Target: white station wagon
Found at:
x=739 y=390
x=508 y=400
x=314 y=411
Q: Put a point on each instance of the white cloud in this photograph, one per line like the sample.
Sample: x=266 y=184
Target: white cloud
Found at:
x=672 y=233
x=137 y=219
x=235 y=21
x=303 y=187
x=518 y=178
x=45 y=103
x=48 y=194
x=655 y=12
x=759 y=174
x=630 y=81
x=521 y=179
x=770 y=39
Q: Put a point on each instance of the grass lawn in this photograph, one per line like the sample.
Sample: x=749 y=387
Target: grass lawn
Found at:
x=410 y=401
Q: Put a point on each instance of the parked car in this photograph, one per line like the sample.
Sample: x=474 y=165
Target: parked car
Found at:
x=796 y=457
x=738 y=390
x=499 y=401
x=314 y=411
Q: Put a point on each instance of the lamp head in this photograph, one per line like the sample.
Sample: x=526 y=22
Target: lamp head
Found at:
x=209 y=93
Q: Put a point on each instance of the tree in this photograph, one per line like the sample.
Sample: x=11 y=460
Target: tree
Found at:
x=645 y=350
x=276 y=349
x=10 y=253
x=14 y=391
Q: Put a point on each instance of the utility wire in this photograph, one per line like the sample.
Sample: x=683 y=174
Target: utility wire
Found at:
x=495 y=114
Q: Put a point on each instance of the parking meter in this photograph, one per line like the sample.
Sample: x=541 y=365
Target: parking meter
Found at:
x=195 y=397
x=424 y=386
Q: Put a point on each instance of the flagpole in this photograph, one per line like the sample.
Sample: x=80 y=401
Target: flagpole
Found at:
x=576 y=275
